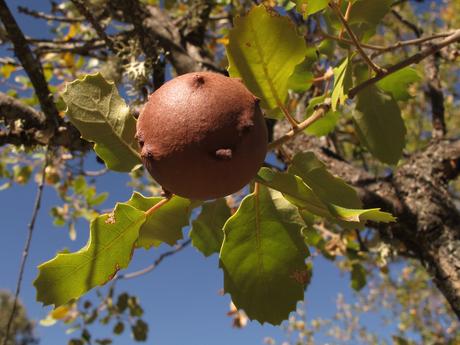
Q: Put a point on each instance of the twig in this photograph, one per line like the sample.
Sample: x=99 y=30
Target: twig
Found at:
x=436 y=96
x=155 y=264
x=73 y=47
x=25 y=252
x=46 y=16
x=417 y=31
x=353 y=37
x=347 y=16
x=318 y=113
x=31 y=64
x=415 y=41
x=386 y=49
x=416 y=58
x=97 y=27
x=8 y=61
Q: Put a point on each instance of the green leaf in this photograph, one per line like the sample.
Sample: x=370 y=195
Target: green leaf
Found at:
x=166 y=223
x=379 y=124
x=135 y=310
x=369 y=12
x=287 y=211
x=298 y=193
x=308 y=7
x=364 y=17
x=343 y=81
x=119 y=327
x=98 y=199
x=302 y=77
x=398 y=83
x=75 y=342
x=324 y=125
x=122 y=302
x=397 y=340
x=294 y=190
x=264 y=49
x=312 y=237
x=263 y=259
x=207 y=230
x=358 y=277
x=372 y=214
x=109 y=249
x=100 y=114
x=328 y=188
x=139 y=330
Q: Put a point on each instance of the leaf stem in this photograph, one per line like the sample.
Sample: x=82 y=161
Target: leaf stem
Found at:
x=157 y=206
x=25 y=252
x=353 y=37
x=320 y=111
x=292 y=121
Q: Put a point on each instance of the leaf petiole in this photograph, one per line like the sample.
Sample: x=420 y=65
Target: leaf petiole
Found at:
x=157 y=205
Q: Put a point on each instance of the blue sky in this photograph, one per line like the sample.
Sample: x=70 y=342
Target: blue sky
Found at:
x=181 y=297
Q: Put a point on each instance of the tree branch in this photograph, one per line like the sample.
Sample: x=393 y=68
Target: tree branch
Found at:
x=155 y=264
x=11 y=109
x=31 y=65
x=154 y=27
x=33 y=128
x=95 y=23
x=428 y=226
x=46 y=16
x=318 y=113
x=416 y=58
x=417 y=31
x=353 y=37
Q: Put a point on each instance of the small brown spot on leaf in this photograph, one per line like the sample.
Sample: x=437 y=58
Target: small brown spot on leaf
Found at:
x=301 y=276
x=110 y=219
x=111 y=276
x=248 y=44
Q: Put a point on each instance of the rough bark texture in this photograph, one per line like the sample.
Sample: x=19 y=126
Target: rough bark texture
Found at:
x=428 y=226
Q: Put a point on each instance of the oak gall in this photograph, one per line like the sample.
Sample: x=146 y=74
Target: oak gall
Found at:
x=202 y=135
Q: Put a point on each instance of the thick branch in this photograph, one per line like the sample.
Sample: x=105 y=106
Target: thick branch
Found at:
x=31 y=65
x=11 y=109
x=428 y=224
x=33 y=129
x=423 y=185
x=154 y=27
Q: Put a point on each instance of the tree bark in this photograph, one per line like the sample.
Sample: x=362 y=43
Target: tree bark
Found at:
x=428 y=225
